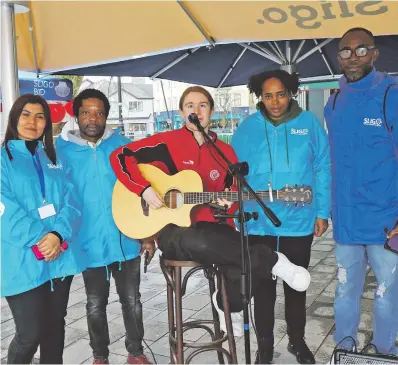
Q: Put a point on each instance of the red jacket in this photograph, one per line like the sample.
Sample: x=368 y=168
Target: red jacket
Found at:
x=172 y=152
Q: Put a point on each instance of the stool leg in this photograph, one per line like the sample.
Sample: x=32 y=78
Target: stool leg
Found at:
x=178 y=308
x=217 y=331
x=170 y=312
x=228 y=321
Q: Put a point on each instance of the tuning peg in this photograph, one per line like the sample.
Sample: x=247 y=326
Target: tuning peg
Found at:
x=302 y=204
x=295 y=204
x=287 y=203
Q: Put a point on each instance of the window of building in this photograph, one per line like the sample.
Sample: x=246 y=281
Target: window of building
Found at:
x=137 y=127
x=136 y=106
x=237 y=100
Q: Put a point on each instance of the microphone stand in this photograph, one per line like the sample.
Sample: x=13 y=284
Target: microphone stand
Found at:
x=240 y=170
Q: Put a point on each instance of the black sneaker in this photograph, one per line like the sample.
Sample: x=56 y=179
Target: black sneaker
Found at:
x=265 y=352
x=302 y=352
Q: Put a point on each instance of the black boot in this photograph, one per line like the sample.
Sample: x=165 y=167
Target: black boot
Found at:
x=300 y=349
x=265 y=352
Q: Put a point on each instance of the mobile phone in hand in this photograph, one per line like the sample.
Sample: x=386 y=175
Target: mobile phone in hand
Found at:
x=40 y=256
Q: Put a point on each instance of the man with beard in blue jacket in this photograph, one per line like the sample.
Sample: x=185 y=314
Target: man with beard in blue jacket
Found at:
x=362 y=119
x=108 y=251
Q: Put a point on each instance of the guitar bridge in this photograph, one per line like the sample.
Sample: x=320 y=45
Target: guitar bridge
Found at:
x=145 y=207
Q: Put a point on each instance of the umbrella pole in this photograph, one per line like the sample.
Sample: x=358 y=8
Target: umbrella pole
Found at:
x=9 y=64
x=120 y=103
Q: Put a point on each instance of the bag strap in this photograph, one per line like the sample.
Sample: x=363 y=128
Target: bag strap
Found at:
x=335 y=98
x=389 y=129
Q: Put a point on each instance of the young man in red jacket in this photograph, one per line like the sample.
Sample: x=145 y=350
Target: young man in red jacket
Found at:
x=206 y=241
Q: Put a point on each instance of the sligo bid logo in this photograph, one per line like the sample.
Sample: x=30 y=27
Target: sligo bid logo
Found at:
x=300 y=132
x=52 y=166
x=307 y=17
x=375 y=122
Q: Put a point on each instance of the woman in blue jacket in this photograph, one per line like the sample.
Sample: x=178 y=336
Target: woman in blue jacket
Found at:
x=39 y=220
x=284 y=145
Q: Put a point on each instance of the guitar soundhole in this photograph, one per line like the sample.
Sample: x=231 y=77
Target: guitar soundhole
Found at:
x=174 y=199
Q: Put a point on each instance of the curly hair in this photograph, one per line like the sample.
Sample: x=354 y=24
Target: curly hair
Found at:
x=88 y=94
x=289 y=81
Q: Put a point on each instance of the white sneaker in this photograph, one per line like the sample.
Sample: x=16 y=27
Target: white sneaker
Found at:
x=295 y=276
x=237 y=321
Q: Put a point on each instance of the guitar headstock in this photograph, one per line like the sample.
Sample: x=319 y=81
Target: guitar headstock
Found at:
x=296 y=195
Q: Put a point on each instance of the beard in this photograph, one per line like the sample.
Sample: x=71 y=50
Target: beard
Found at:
x=92 y=130
x=358 y=75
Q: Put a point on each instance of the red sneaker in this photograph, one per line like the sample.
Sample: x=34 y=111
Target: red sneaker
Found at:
x=100 y=361
x=141 y=359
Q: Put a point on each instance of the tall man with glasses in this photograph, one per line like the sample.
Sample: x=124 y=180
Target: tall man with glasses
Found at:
x=362 y=119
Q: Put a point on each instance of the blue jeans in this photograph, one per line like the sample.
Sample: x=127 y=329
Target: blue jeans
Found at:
x=352 y=261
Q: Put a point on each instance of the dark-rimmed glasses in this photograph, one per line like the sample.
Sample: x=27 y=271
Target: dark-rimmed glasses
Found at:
x=360 y=51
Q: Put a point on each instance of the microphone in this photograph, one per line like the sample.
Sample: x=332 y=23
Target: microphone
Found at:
x=193 y=118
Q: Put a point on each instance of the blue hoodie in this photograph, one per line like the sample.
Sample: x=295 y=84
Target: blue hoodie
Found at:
x=22 y=227
x=92 y=174
x=364 y=159
x=298 y=151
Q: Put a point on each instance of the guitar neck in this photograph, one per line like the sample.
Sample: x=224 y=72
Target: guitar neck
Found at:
x=206 y=197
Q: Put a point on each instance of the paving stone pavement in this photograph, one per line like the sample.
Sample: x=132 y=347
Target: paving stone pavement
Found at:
x=196 y=304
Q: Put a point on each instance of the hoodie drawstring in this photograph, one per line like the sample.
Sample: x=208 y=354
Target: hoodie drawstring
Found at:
x=269 y=147
x=52 y=284
x=107 y=272
x=120 y=266
x=287 y=148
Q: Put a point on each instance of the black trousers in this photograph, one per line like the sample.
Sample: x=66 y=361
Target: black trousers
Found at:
x=213 y=243
x=127 y=280
x=39 y=316
x=298 y=251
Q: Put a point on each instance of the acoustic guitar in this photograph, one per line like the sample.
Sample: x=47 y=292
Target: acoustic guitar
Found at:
x=180 y=193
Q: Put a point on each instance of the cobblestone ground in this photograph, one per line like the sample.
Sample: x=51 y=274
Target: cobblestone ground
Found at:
x=196 y=304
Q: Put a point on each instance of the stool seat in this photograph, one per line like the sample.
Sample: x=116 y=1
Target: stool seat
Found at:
x=175 y=263
x=176 y=289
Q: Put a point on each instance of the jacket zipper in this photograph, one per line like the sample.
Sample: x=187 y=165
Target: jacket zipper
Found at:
x=99 y=177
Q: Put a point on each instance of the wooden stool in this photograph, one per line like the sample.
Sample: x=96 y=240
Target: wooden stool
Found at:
x=175 y=291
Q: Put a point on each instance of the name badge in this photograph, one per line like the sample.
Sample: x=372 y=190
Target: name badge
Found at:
x=46 y=211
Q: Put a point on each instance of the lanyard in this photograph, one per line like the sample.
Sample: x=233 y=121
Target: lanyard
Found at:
x=39 y=170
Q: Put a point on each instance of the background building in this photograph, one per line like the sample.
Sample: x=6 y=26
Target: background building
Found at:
x=153 y=106
x=136 y=117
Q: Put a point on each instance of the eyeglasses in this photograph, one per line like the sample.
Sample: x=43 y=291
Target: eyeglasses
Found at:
x=360 y=51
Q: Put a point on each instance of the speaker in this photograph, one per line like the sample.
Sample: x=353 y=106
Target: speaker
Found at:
x=348 y=357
